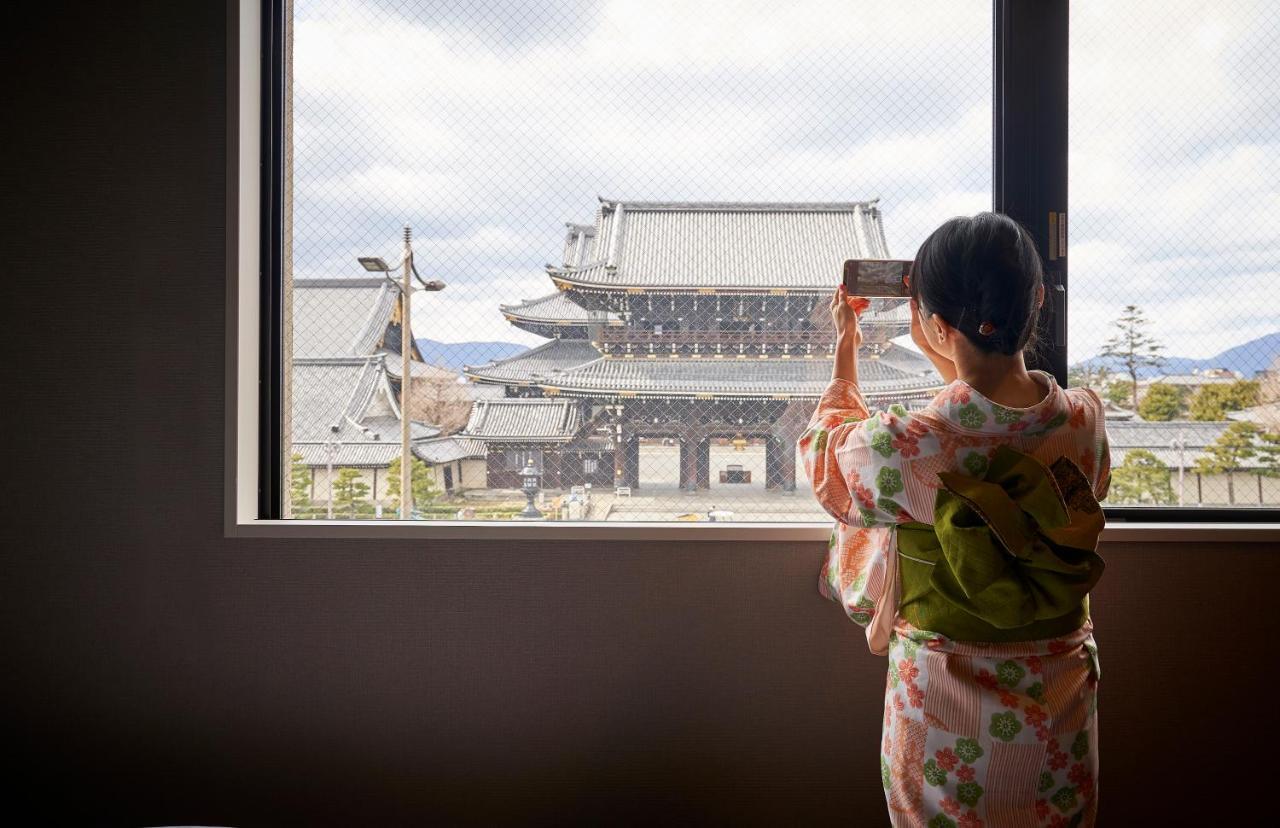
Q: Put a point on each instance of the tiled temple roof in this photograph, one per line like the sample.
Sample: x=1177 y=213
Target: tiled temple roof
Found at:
x=516 y=420
x=574 y=367
x=448 y=449
x=546 y=360
x=557 y=308
x=1159 y=437
x=354 y=395
x=340 y=317
x=729 y=377
x=725 y=245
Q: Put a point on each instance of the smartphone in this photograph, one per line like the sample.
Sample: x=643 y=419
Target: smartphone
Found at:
x=877 y=277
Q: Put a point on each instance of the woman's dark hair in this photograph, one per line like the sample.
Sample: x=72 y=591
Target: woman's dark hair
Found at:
x=983 y=276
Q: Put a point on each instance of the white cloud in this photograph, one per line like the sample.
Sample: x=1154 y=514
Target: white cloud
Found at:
x=486 y=135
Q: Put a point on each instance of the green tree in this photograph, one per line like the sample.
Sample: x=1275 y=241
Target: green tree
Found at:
x=422 y=480
x=350 y=495
x=1212 y=402
x=1161 y=402
x=301 y=505
x=1134 y=347
x=1118 y=394
x=1141 y=478
x=1229 y=452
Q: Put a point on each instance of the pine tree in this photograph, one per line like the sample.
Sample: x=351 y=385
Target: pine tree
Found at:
x=301 y=505
x=1162 y=402
x=1134 y=347
x=422 y=480
x=1229 y=453
x=350 y=494
x=1141 y=478
x=1269 y=452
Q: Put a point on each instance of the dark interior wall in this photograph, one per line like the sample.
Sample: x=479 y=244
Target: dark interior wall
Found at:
x=156 y=672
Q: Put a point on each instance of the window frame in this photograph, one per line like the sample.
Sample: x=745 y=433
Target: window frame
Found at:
x=1029 y=89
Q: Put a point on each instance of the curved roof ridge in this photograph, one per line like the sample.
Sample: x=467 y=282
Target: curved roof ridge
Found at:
x=557 y=307
x=744 y=206
x=537 y=349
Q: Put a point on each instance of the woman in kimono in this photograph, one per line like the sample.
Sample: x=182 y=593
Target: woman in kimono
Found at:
x=965 y=542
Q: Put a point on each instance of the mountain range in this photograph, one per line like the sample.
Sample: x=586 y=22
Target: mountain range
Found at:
x=1247 y=359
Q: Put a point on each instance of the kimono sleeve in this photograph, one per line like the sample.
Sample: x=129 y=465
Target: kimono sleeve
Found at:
x=855 y=461
x=840 y=409
x=1101 y=446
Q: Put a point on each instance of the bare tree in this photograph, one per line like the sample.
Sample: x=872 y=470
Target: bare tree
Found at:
x=1270 y=382
x=439 y=397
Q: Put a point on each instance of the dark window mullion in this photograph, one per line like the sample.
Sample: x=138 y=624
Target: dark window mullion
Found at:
x=1029 y=149
x=271 y=330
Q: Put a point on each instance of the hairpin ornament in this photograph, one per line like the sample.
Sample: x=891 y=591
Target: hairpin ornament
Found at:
x=986 y=329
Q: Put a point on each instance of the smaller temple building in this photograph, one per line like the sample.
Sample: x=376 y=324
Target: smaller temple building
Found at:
x=344 y=381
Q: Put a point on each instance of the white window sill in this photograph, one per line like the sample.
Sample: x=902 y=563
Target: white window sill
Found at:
x=1118 y=532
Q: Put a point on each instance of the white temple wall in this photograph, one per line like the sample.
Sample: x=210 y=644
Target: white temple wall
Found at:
x=751 y=459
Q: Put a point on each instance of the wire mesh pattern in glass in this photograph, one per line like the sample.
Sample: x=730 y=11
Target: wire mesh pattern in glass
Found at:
x=638 y=211
x=1175 y=245
x=625 y=219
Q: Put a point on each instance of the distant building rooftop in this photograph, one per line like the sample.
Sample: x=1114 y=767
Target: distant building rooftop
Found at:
x=1216 y=376
x=1160 y=438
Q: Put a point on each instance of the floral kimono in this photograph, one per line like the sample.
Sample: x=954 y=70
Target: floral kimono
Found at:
x=965 y=544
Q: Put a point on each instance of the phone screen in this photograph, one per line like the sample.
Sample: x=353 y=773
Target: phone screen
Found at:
x=877 y=277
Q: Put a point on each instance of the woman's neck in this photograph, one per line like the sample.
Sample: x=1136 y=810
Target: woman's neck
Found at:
x=1002 y=379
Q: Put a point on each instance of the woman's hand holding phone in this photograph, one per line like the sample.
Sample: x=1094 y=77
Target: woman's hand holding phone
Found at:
x=845 y=310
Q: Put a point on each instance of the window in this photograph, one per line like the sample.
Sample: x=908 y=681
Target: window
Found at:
x=586 y=248
x=694 y=172
x=1175 y=245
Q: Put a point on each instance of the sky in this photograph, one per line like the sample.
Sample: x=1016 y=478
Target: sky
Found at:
x=488 y=125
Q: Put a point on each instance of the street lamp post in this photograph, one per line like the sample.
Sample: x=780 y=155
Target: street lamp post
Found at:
x=406 y=456
x=406 y=288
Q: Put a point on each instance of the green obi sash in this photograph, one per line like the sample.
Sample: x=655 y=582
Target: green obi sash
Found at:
x=1009 y=557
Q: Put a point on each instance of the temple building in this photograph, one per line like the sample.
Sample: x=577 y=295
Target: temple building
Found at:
x=679 y=329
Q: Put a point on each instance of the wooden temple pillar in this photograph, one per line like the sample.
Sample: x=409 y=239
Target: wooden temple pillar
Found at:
x=619 y=456
x=688 y=462
x=695 y=460
x=780 y=450
x=780 y=457
x=626 y=460
x=632 y=464
x=772 y=466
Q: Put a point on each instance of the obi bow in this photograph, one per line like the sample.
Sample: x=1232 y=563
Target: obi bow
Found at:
x=1013 y=548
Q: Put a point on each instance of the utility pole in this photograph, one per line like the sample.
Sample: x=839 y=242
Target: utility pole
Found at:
x=374 y=264
x=330 y=449
x=406 y=379
x=1180 y=443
